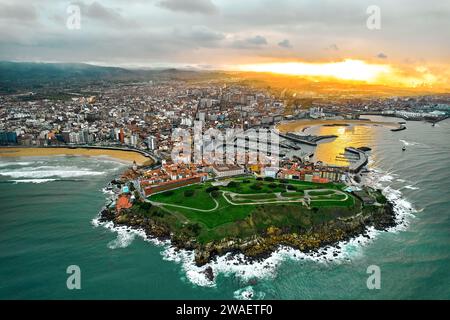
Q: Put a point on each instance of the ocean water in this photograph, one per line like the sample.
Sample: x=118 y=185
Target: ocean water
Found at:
x=48 y=222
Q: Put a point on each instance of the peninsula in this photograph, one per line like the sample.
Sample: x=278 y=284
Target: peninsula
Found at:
x=248 y=214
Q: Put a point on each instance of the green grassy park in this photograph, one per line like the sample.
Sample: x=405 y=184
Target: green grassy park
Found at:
x=247 y=206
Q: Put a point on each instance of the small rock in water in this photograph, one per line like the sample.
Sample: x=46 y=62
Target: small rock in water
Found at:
x=248 y=294
x=209 y=273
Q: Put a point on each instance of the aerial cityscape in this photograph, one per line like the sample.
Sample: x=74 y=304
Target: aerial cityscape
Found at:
x=219 y=157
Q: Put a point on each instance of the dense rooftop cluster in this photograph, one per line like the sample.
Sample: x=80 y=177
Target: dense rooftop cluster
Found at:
x=143 y=115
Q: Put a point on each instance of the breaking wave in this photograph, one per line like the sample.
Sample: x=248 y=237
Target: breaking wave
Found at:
x=125 y=235
x=123 y=240
x=388 y=177
x=248 y=293
x=404 y=210
x=411 y=143
x=49 y=172
x=344 y=251
x=15 y=163
x=33 y=180
x=247 y=270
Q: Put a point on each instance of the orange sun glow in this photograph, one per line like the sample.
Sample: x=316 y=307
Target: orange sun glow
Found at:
x=345 y=70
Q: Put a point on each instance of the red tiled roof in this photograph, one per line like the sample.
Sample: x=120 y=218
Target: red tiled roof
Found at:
x=123 y=203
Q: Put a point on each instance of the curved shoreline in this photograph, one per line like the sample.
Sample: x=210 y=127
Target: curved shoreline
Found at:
x=120 y=154
x=259 y=246
x=251 y=270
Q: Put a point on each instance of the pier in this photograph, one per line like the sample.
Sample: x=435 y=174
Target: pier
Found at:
x=309 y=140
x=361 y=161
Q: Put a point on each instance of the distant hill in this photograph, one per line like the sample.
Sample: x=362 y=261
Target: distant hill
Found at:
x=60 y=78
x=19 y=76
x=12 y=71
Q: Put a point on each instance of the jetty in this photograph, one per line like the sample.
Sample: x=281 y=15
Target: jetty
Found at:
x=360 y=159
x=400 y=128
x=309 y=140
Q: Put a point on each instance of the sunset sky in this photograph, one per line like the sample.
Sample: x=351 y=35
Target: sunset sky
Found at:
x=412 y=47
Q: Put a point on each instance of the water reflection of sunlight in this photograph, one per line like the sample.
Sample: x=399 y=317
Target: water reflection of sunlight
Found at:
x=332 y=152
x=356 y=133
x=341 y=130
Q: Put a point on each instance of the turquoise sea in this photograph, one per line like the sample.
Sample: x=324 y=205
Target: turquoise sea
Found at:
x=49 y=206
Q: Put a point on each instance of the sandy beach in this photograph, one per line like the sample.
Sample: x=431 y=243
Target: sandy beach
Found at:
x=126 y=156
x=298 y=125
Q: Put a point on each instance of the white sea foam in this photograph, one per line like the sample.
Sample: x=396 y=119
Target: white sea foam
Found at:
x=97 y=223
x=404 y=210
x=411 y=143
x=227 y=264
x=386 y=178
x=15 y=163
x=411 y=187
x=34 y=180
x=406 y=143
x=248 y=293
x=108 y=192
x=123 y=240
x=247 y=270
x=237 y=264
x=342 y=252
x=125 y=235
x=49 y=171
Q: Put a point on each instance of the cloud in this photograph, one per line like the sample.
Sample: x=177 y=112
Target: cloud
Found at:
x=250 y=43
x=332 y=47
x=257 y=40
x=19 y=12
x=285 y=44
x=198 y=35
x=381 y=55
x=98 y=12
x=190 y=6
x=204 y=33
x=212 y=31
